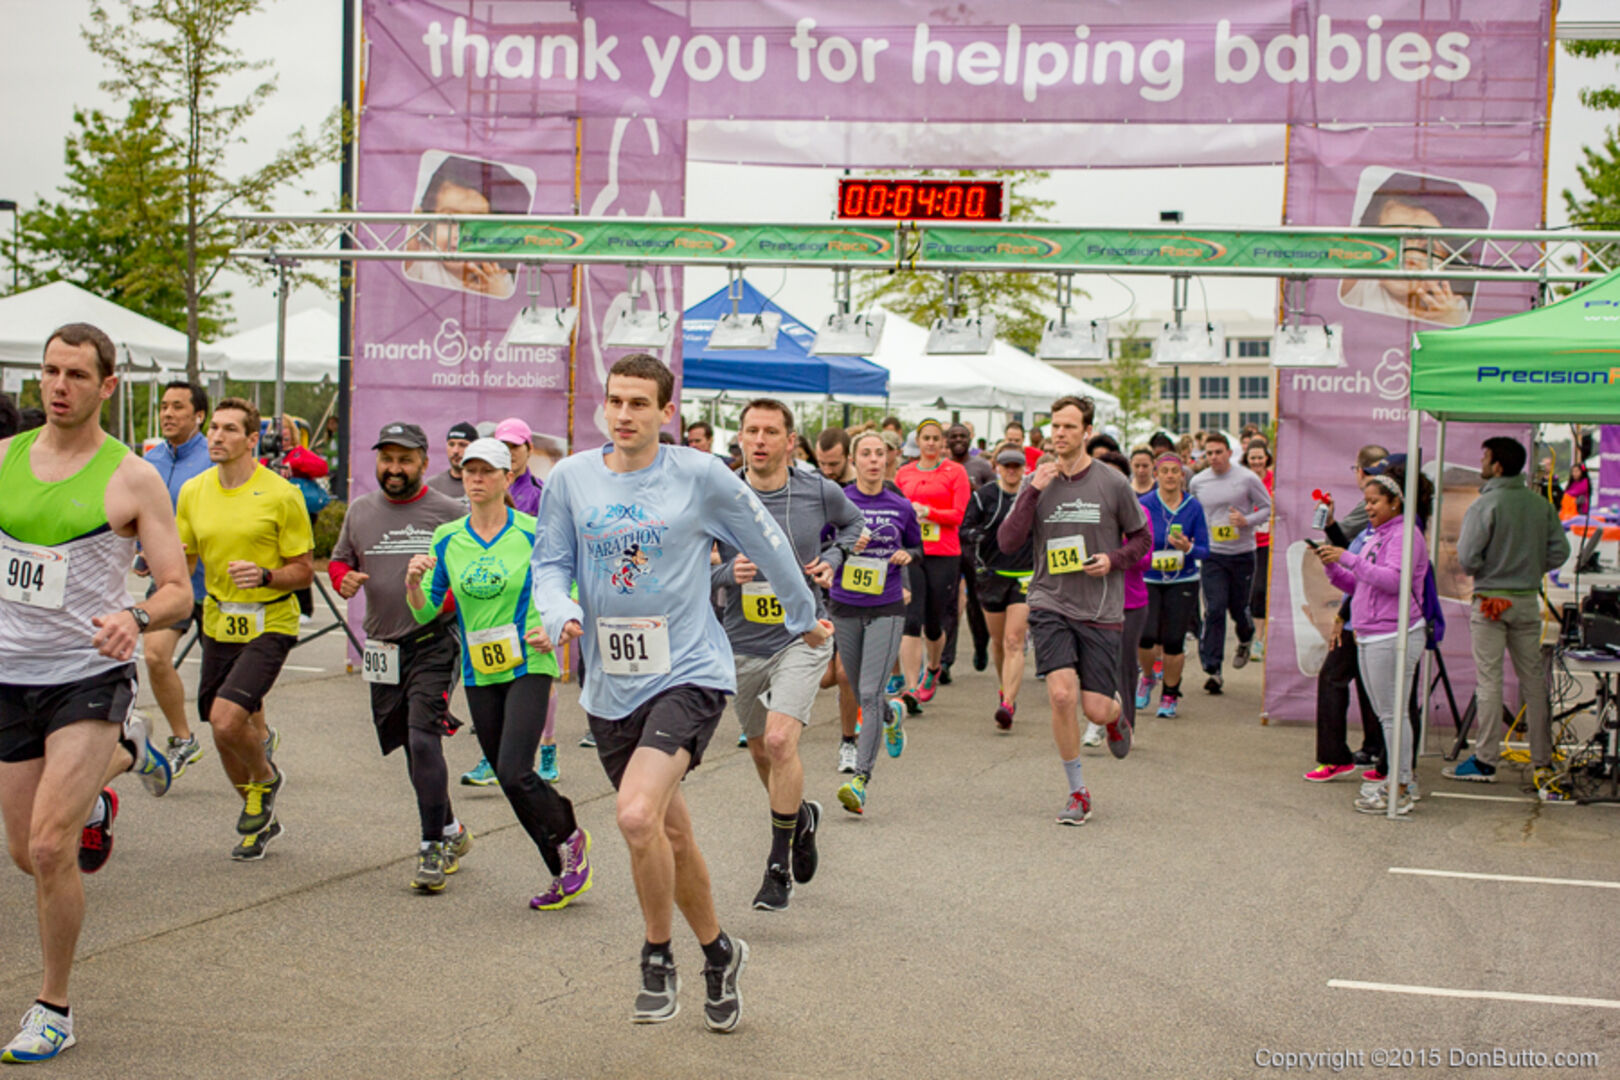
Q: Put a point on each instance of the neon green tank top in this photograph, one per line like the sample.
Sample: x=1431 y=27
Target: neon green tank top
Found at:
x=36 y=512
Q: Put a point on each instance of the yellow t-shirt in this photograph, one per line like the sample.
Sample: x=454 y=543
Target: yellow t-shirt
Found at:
x=263 y=521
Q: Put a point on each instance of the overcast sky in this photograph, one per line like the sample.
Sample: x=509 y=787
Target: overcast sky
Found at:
x=46 y=72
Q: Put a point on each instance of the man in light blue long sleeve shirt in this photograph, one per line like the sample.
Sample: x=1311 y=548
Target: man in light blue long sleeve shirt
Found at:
x=632 y=525
x=1235 y=501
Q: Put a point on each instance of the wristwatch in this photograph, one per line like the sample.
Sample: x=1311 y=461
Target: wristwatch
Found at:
x=142 y=617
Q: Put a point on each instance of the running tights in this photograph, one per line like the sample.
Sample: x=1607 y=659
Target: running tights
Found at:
x=508 y=719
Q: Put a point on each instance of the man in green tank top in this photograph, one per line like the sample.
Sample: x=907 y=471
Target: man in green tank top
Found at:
x=76 y=501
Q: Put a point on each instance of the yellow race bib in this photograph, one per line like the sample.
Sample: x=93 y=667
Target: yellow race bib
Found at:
x=494 y=650
x=760 y=605
x=862 y=575
x=239 y=623
x=1226 y=534
x=1169 y=561
x=1065 y=554
x=930 y=531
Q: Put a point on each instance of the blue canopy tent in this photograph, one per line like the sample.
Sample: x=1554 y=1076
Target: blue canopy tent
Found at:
x=788 y=370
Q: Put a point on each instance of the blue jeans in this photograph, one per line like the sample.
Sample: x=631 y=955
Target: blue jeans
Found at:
x=1227 y=581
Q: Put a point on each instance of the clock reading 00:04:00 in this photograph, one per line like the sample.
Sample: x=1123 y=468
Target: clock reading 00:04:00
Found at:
x=920 y=200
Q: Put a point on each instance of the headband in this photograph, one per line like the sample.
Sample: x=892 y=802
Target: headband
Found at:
x=1387 y=482
x=926 y=422
x=1162 y=458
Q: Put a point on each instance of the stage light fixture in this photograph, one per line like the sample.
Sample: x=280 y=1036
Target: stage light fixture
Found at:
x=1085 y=341
x=543 y=326
x=1302 y=346
x=849 y=334
x=974 y=335
x=640 y=328
x=1189 y=343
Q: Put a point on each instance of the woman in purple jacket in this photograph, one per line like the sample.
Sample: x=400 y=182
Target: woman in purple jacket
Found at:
x=1372 y=577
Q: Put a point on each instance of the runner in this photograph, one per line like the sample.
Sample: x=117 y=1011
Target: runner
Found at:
x=250 y=530
x=938 y=489
x=1235 y=503
x=409 y=666
x=959 y=443
x=1258 y=458
x=833 y=457
x=778 y=674
x=1142 y=477
x=182 y=454
x=76 y=501
x=633 y=524
x=519 y=440
x=1180 y=543
x=1076 y=515
x=869 y=612
x=1136 y=613
x=507 y=666
x=1003 y=578
x=455 y=444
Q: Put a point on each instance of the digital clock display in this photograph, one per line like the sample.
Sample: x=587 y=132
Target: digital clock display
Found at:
x=920 y=200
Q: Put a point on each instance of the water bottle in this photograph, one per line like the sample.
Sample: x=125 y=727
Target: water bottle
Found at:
x=1324 y=512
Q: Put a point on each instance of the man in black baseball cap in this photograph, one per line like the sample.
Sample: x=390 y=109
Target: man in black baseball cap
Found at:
x=455 y=444
x=409 y=436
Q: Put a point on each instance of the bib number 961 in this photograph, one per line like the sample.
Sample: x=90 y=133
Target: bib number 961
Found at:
x=633 y=645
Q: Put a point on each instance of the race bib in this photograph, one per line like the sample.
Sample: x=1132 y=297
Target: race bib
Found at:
x=33 y=576
x=1226 y=534
x=1170 y=561
x=379 y=663
x=240 y=623
x=495 y=650
x=760 y=605
x=1065 y=554
x=930 y=531
x=865 y=575
x=634 y=645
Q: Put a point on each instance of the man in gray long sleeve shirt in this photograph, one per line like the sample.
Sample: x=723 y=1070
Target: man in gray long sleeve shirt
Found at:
x=1235 y=501
x=778 y=675
x=1511 y=538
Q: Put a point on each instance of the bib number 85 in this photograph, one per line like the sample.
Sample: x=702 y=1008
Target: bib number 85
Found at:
x=764 y=609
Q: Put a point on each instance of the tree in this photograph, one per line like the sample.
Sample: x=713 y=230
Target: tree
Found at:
x=118 y=230
x=173 y=54
x=1020 y=302
x=1601 y=97
x=1598 y=206
x=1130 y=378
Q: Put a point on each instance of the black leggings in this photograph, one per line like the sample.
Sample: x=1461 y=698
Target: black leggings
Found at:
x=1170 y=613
x=933 y=595
x=508 y=718
x=424 y=760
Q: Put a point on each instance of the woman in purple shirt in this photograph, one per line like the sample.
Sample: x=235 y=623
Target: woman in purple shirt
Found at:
x=867 y=608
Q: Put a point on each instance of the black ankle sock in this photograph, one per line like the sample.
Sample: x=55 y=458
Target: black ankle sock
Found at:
x=63 y=1011
x=1171 y=691
x=783 y=827
x=718 y=951
x=657 y=950
x=850 y=739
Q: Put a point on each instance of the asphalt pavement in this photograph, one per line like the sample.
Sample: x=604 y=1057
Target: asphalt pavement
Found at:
x=1202 y=924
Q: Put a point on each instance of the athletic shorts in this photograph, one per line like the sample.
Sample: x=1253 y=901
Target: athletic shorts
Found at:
x=786 y=683
x=31 y=714
x=183 y=627
x=998 y=592
x=1172 y=610
x=680 y=718
x=241 y=673
x=1089 y=649
x=420 y=701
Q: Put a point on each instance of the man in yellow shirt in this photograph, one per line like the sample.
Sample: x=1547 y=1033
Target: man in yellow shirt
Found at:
x=252 y=533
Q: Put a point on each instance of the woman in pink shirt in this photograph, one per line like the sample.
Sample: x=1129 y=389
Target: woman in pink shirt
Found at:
x=939 y=490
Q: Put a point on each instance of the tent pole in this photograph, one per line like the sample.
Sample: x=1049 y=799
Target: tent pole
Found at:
x=1396 y=740
x=282 y=285
x=1435 y=531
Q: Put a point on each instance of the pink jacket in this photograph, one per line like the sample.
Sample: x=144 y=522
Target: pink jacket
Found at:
x=1373 y=579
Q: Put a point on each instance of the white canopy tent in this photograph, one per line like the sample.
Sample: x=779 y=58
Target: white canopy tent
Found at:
x=28 y=318
x=1007 y=379
x=312 y=349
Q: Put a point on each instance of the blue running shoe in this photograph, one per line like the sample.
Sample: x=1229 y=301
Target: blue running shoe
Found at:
x=1167 y=706
x=896 y=684
x=480 y=775
x=1144 y=691
x=548 y=764
x=894 y=736
x=1472 y=769
x=852 y=796
x=44 y=1034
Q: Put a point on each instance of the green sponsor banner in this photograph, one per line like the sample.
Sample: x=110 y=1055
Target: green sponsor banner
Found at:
x=879 y=245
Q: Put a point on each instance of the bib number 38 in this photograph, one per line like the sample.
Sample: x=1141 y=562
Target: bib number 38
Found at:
x=240 y=623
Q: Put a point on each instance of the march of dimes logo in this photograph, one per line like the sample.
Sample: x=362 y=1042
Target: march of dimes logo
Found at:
x=452 y=350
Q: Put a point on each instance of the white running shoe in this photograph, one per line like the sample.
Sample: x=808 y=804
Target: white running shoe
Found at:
x=44 y=1034
x=846 y=757
x=1094 y=735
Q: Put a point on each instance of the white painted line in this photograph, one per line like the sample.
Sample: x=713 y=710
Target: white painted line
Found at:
x=284 y=667
x=1487 y=995
x=1505 y=877
x=1479 y=798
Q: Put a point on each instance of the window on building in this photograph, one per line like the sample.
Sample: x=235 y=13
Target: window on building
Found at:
x=1167 y=388
x=1214 y=421
x=1249 y=347
x=1254 y=387
x=1178 y=424
x=1258 y=419
x=1214 y=386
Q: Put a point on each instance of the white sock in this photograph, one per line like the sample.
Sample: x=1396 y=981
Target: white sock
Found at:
x=1071 y=769
x=452 y=830
x=425 y=845
x=98 y=810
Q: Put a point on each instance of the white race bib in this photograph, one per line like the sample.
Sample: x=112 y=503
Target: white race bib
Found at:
x=33 y=575
x=1065 y=554
x=760 y=605
x=380 y=663
x=1169 y=561
x=495 y=650
x=864 y=575
x=239 y=623
x=634 y=644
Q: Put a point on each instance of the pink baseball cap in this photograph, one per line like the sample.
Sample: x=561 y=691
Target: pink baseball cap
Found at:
x=513 y=431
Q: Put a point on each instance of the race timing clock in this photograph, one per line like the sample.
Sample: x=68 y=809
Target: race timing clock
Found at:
x=897 y=199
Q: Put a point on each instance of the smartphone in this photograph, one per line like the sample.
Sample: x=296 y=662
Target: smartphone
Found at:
x=1313 y=543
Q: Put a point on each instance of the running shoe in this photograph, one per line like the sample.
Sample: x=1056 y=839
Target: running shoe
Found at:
x=455 y=847
x=1257 y=651
x=259 y=806
x=1374 y=775
x=742 y=738
x=576 y=875
x=1119 y=737
x=805 y=857
x=150 y=764
x=944 y=674
x=894 y=732
x=1378 y=803
x=251 y=849
x=548 y=764
x=1212 y=685
x=429 y=875
x=1077 y=810
x=722 y=1003
x=775 y=891
x=853 y=794
x=847 y=756
x=912 y=703
x=1363 y=758
x=44 y=1034
x=1167 y=706
x=895 y=684
x=1240 y=658
x=588 y=741
x=981 y=657
x=1144 y=691
x=95 y=843
x=1323 y=773
x=1005 y=711
x=657 y=999
x=928 y=686
x=183 y=752
x=1473 y=769
x=1158 y=670
x=1093 y=735
x=480 y=775
x=272 y=743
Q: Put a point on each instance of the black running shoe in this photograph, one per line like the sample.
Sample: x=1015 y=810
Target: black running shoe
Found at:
x=775 y=891
x=981 y=658
x=805 y=858
x=1212 y=685
x=722 y=1001
x=258 y=804
x=944 y=674
x=657 y=999
x=96 y=841
x=251 y=848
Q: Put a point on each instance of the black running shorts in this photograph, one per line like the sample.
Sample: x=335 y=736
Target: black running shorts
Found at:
x=681 y=718
x=1090 y=649
x=241 y=673
x=31 y=714
x=420 y=701
x=998 y=592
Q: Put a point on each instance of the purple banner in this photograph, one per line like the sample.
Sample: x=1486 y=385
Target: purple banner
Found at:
x=1608 y=477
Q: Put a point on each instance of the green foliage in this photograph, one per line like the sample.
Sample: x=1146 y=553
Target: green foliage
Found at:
x=1130 y=379
x=1599 y=97
x=1020 y=302
x=1597 y=206
x=327 y=524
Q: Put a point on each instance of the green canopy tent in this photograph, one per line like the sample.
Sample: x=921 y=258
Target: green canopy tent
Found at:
x=1560 y=362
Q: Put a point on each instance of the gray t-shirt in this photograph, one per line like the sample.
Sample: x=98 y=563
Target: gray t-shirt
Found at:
x=1237 y=489
x=378 y=538
x=979 y=469
x=1099 y=507
x=449 y=485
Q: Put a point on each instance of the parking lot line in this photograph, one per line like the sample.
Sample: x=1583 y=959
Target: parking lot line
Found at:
x=1505 y=877
x=1489 y=995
